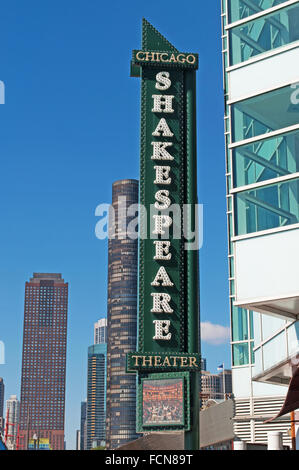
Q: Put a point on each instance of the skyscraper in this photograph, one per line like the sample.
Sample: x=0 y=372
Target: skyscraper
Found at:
x=83 y=443
x=96 y=395
x=44 y=360
x=13 y=413
x=100 y=331
x=261 y=52
x=2 y=389
x=122 y=317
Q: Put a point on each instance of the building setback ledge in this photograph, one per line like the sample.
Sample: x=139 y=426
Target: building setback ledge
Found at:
x=286 y=308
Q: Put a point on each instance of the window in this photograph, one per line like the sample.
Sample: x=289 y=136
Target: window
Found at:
x=240 y=354
x=264 y=113
x=264 y=34
x=266 y=159
x=240 y=9
x=239 y=324
x=269 y=207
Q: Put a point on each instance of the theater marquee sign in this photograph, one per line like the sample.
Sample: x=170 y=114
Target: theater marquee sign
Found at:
x=168 y=261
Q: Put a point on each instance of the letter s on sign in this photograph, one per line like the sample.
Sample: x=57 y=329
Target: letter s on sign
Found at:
x=163 y=81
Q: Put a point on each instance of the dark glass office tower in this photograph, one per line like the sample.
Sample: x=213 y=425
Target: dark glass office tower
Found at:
x=122 y=317
x=83 y=444
x=2 y=388
x=96 y=396
x=44 y=360
x=1 y=397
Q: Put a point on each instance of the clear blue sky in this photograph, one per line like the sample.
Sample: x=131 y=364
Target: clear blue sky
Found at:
x=69 y=128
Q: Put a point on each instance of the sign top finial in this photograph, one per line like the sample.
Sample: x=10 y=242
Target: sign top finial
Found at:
x=152 y=40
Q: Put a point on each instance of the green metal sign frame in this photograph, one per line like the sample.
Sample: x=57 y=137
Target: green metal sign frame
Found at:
x=168 y=273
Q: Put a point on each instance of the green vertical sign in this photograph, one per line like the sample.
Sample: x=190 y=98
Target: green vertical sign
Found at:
x=167 y=360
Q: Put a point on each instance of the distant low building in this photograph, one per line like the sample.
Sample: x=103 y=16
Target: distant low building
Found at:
x=215 y=386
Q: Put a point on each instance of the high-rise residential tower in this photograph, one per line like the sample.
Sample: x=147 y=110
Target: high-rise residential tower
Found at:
x=44 y=360
x=261 y=78
x=100 y=331
x=122 y=315
x=96 y=396
x=12 y=416
x=2 y=390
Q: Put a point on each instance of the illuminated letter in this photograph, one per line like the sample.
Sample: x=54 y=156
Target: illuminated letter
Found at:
x=161 y=196
x=165 y=101
x=162 y=175
x=164 y=128
x=160 y=152
x=163 y=81
x=161 y=221
x=162 y=251
x=161 y=327
x=162 y=276
x=161 y=303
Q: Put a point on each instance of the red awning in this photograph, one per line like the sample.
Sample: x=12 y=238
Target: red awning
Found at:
x=292 y=399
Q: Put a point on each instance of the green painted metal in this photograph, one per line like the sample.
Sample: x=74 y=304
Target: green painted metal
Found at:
x=183 y=266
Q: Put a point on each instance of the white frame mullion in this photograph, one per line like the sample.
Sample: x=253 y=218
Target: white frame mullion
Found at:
x=261 y=14
x=261 y=184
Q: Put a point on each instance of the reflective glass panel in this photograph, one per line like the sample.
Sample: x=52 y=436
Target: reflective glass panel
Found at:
x=264 y=34
x=266 y=159
x=275 y=351
x=240 y=9
x=240 y=354
x=265 y=113
x=239 y=324
x=268 y=207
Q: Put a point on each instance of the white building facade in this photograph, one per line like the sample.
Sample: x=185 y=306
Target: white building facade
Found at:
x=13 y=413
x=100 y=331
x=261 y=80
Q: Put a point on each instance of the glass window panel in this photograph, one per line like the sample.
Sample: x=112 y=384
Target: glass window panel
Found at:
x=257 y=328
x=240 y=354
x=271 y=325
x=275 y=350
x=251 y=324
x=252 y=352
x=266 y=159
x=264 y=34
x=293 y=338
x=265 y=113
x=269 y=207
x=240 y=9
x=239 y=324
x=258 y=364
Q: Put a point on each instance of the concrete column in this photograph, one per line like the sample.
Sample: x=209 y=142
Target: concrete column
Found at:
x=275 y=440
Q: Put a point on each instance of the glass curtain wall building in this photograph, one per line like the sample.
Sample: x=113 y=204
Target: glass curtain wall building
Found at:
x=261 y=84
x=83 y=443
x=96 y=396
x=122 y=314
